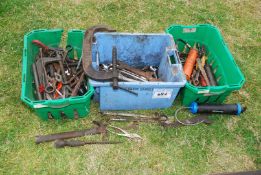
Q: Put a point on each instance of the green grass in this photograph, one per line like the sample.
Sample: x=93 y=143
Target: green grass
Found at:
x=230 y=144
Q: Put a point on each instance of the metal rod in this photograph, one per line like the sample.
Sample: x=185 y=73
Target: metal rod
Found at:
x=124 y=114
x=70 y=134
x=76 y=143
x=77 y=86
x=210 y=75
x=133 y=75
x=36 y=81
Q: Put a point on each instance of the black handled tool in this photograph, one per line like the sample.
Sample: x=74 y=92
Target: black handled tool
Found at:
x=115 y=73
x=233 y=109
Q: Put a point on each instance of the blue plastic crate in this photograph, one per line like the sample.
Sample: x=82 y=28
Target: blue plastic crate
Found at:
x=138 y=50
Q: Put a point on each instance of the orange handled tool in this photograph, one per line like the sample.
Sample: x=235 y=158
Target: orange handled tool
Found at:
x=190 y=62
x=58 y=88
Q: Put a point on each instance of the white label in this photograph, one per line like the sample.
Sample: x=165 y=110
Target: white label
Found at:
x=189 y=30
x=39 y=106
x=203 y=92
x=162 y=93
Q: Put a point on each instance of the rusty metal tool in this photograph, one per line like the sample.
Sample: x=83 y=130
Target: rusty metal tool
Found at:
x=195 y=77
x=41 y=45
x=76 y=143
x=77 y=86
x=56 y=73
x=79 y=64
x=48 y=51
x=73 y=80
x=115 y=73
x=87 y=58
x=125 y=74
x=49 y=60
x=67 y=90
x=126 y=117
x=187 y=122
x=36 y=81
x=210 y=75
x=41 y=76
x=87 y=54
x=100 y=129
x=129 y=77
x=68 y=49
x=184 y=42
x=148 y=75
x=183 y=55
x=202 y=70
x=58 y=77
x=49 y=88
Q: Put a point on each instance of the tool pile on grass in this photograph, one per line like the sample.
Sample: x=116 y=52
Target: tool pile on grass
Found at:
x=56 y=75
x=104 y=128
x=202 y=113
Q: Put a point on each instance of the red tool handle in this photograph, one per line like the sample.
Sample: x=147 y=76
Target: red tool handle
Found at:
x=202 y=81
x=42 y=45
x=59 y=86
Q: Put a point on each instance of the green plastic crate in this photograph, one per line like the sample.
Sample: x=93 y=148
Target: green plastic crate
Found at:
x=228 y=75
x=57 y=108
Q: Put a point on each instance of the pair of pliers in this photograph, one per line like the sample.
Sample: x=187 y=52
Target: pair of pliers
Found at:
x=132 y=136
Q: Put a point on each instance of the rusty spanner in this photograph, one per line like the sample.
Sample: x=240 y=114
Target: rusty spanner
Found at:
x=100 y=129
x=47 y=51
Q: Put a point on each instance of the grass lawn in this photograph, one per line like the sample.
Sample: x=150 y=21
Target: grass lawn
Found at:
x=230 y=144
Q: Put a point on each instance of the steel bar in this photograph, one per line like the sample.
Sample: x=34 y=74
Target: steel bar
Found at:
x=71 y=134
x=76 y=143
